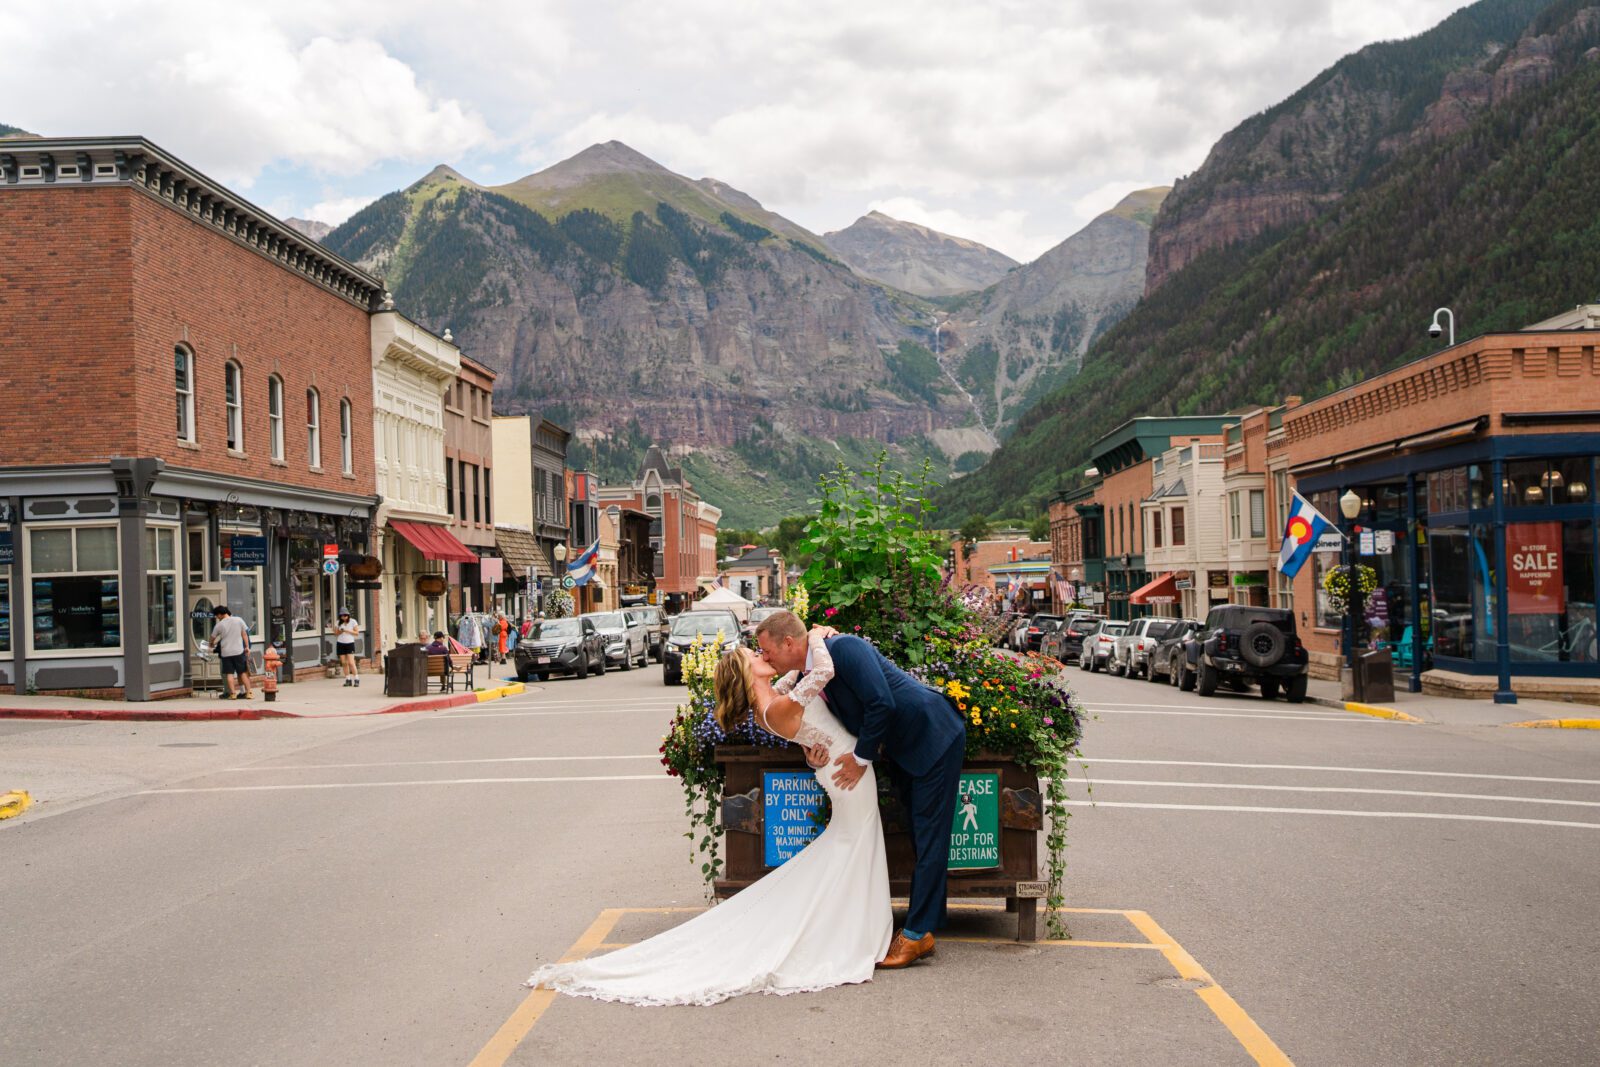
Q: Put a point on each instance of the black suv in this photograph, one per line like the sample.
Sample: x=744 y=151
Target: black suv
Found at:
x=1240 y=646
x=560 y=646
x=1065 y=642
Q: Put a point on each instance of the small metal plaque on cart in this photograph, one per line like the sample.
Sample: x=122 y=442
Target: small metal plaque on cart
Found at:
x=1035 y=890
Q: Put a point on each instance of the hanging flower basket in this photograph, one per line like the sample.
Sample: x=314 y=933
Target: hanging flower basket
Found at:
x=1336 y=583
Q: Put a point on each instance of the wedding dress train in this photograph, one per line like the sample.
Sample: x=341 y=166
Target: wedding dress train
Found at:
x=822 y=919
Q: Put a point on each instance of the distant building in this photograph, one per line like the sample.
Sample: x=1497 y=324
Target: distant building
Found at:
x=530 y=492
x=469 y=485
x=759 y=574
x=973 y=562
x=680 y=526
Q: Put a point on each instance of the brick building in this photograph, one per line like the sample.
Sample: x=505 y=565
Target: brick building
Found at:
x=682 y=531
x=972 y=564
x=1474 y=469
x=1076 y=559
x=469 y=481
x=197 y=426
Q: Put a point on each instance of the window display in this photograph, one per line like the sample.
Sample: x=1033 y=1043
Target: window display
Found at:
x=75 y=596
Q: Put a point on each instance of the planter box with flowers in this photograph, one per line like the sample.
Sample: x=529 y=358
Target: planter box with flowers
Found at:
x=751 y=799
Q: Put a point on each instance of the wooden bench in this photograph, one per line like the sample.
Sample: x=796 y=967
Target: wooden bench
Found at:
x=446 y=667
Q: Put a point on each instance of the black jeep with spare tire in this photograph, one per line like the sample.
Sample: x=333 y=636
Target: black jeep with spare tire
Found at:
x=1240 y=646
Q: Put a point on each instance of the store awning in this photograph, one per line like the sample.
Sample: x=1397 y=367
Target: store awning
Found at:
x=434 y=542
x=1163 y=590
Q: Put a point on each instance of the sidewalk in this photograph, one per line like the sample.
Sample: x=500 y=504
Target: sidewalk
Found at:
x=312 y=699
x=1452 y=711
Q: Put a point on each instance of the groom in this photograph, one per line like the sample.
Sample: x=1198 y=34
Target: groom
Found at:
x=921 y=735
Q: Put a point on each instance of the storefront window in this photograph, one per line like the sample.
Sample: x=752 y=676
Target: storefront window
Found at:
x=303 y=597
x=1462 y=584
x=1328 y=617
x=1448 y=491
x=161 y=582
x=1550 y=591
x=75 y=598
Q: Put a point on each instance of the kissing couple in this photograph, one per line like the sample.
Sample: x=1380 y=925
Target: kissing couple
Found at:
x=823 y=918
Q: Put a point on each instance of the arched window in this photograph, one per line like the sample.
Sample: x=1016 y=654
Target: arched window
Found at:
x=233 y=396
x=183 y=381
x=313 y=428
x=275 y=416
x=346 y=457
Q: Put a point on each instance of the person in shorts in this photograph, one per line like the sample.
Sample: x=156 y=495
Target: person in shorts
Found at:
x=231 y=638
x=345 y=635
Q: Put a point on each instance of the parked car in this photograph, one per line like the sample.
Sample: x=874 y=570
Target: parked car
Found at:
x=1035 y=631
x=1097 y=644
x=705 y=625
x=654 y=621
x=560 y=646
x=1130 y=655
x=757 y=617
x=1065 y=642
x=627 y=644
x=1004 y=627
x=1166 y=662
x=1243 y=646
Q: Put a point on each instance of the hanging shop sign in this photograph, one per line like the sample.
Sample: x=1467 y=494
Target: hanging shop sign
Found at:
x=365 y=569
x=1219 y=579
x=430 y=585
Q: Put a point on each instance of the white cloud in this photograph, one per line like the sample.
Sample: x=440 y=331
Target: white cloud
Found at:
x=1017 y=119
x=336 y=211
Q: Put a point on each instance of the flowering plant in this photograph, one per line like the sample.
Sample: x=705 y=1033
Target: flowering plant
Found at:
x=557 y=604
x=800 y=600
x=1336 y=583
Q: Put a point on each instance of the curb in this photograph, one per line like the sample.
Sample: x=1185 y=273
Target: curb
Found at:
x=254 y=713
x=1364 y=709
x=14 y=803
x=1559 y=724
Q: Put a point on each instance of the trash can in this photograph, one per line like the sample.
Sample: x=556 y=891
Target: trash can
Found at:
x=1374 y=680
x=405 y=672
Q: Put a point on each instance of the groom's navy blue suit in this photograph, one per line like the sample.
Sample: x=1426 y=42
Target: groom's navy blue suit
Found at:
x=924 y=739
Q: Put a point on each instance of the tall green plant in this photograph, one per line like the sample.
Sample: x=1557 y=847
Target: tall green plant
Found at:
x=875 y=567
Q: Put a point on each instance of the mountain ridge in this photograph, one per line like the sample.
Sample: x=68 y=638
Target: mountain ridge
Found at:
x=915 y=258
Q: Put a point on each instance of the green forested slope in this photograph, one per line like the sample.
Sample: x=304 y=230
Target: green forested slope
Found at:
x=1501 y=222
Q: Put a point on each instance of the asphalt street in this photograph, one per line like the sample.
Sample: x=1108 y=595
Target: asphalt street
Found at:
x=1347 y=890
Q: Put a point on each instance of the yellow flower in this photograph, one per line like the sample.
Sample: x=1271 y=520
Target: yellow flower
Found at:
x=1013 y=726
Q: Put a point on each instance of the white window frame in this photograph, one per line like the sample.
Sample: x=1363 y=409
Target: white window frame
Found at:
x=1257 y=503
x=8 y=599
x=28 y=569
x=313 y=428
x=185 y=394
x=346 y=452
x=153 y=570
x=194 y=564
x=275 y=396
x=233 y=383
x=1233 y=515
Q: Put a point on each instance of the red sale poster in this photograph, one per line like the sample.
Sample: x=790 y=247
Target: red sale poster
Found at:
x=1534 y=584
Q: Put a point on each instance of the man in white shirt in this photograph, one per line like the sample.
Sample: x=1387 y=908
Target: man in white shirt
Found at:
x=230 y=637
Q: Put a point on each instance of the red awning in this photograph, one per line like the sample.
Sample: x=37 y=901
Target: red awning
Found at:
x=1163 y=590
x=434 y=542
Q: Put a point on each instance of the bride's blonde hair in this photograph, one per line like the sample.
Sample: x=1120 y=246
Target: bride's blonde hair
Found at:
x=733 y=685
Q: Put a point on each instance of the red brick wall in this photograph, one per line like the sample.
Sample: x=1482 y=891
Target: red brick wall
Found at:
x=124 y=279
x=66 y=311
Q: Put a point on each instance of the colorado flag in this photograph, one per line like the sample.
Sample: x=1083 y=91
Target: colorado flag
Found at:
x=1305 y=526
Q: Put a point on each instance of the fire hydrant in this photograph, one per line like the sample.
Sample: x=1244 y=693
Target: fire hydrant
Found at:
x=269 y=665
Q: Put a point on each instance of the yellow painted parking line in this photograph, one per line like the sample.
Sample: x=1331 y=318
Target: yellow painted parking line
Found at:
x=1250 y=1036
x=1380 y=712
x=514 y=1029
x=1560 y=724
x=14 y=803
x=511 y=690
x=1244 y=1029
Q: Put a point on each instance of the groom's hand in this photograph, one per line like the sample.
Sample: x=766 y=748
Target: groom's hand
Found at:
x=849 y=771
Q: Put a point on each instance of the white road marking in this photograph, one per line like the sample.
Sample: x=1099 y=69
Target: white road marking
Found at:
x=1097 y=782
x=436 y=781
x=1091 y=761
x=1302 y=717
x=1331 y=811
x=438 y=762
x=449 y=716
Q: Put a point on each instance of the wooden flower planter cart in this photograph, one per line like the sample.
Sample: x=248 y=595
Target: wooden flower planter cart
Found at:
x=770 y=805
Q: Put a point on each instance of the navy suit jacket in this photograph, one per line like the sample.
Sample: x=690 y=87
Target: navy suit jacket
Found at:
x=888 y=709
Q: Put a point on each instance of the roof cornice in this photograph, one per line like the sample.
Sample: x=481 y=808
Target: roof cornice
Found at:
x=75 y=162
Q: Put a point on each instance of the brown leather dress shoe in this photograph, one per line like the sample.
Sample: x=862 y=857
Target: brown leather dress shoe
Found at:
x=903 y=952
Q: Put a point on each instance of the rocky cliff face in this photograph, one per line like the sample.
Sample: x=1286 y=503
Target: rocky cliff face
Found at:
x=1028 y=333
x=917 y=259
x=310 y=227
x=1287 y=165
x=637 y=294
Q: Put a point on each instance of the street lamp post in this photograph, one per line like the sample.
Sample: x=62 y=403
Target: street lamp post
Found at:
x=1350 y=507
x=560 y=554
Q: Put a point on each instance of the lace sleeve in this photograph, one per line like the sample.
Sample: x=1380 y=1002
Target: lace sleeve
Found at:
x=782 y=685
x=817 y=678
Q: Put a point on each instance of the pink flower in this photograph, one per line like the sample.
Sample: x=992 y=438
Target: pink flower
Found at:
x=1049 y=722
x=830 y=613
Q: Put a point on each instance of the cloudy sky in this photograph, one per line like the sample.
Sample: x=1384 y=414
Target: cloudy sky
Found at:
x=1013 y=122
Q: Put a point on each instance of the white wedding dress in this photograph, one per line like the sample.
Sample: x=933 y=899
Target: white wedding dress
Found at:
x=822 y=919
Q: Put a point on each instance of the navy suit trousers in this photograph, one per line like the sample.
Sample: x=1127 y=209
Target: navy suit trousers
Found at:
x=930 y=802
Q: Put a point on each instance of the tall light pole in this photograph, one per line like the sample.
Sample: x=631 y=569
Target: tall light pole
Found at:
x=1350 y=507
x=560 y=554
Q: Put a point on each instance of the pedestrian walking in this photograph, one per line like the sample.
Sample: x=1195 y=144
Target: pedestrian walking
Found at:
x=344 y=642
x=231 y=638
x=502 y=629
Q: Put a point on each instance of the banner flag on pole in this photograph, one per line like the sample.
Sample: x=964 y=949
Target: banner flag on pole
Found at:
x=581 y=569
x=1300 y=535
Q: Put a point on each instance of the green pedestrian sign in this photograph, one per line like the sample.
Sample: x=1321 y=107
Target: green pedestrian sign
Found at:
x=975 y=831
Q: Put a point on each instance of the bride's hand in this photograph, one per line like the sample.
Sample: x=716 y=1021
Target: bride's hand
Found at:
x=816 y=756
x=825 y=632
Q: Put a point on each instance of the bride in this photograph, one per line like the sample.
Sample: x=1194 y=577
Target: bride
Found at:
x=820 y=920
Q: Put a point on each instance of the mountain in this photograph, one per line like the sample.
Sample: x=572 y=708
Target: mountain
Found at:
x=1488 y=201
x=1287 y=164
x=14 y=131
x=916 y=259
x=1026 y=334
x=310 y=227
x=617 y=296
